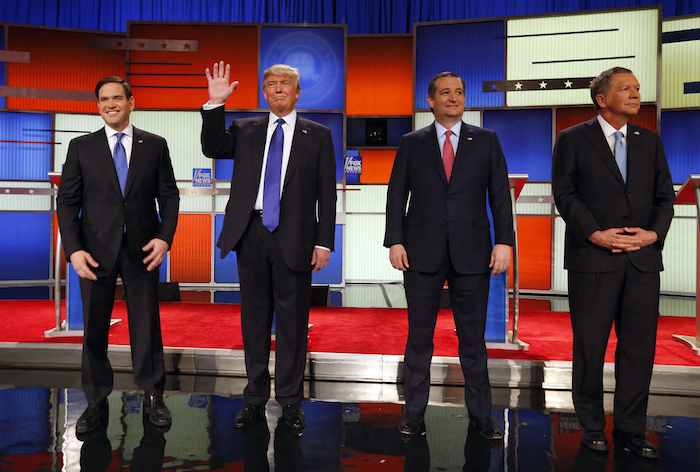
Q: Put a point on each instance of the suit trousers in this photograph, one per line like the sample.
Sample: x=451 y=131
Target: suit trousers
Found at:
x=469 y=300
x=141 y=288
x=630 y=298
x=269 y=286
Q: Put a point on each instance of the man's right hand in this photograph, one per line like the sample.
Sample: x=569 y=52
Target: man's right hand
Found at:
x=615 y=240
x=82 y=260
x=218 y=83
x=398 y=257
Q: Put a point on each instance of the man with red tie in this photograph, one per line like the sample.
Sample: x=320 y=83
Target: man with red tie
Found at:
x=448 y=169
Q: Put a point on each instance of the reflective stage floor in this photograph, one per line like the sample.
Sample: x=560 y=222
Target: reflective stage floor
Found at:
x=349 y=427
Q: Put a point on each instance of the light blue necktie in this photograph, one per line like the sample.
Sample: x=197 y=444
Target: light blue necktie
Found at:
x=621 y=154
x=273 y=175
x=119 y=156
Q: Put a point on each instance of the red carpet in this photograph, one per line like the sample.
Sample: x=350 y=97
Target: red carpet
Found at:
x=342 y=330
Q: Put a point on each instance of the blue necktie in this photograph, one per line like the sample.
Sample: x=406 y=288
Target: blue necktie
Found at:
x=273 y=174
x=621 y=154
x=119 y=156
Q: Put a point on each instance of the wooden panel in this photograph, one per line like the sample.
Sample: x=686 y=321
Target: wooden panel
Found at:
x=380 y=76
x=237 y=45
x=60 y=60
x=535 y=244
x=377 y=165
x=190 y=255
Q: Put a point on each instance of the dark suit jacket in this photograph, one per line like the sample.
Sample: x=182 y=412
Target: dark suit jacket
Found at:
x=440 y=213
x=310 y=180
x=92 y=211
x=591 y=195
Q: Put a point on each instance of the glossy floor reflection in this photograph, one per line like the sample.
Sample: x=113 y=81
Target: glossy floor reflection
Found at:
x=345 y=430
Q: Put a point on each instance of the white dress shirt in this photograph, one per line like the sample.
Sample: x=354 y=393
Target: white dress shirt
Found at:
x=608 y=132
x=127 y=140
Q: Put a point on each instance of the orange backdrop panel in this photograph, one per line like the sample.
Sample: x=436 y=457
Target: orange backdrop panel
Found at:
x=380 y=76
x=60 y=60
x=377 y=165
x=195 y=297
x=567 y=117
x=535 y=244
x=237 y=45
x=190 y=256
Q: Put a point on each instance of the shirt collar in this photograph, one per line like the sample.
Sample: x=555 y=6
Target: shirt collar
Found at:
x=609 y=129
x=129 y=131
x=441 y=130
x=288 y=119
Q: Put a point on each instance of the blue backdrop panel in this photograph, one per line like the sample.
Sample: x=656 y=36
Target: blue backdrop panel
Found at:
x=224 y=167
x=26 y=244
x=25 y=161
x=498 y=293
x=475 y=51
x=335 y=122
x=679 y=132
x=225 y=270
x=2 y=64
x=318 y=53
x=24 y=293
x=526 y=139
x=74 y=316
x=333 y=272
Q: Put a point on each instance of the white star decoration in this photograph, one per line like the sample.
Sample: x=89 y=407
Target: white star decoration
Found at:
x=518 y=86
x=568 y=84
x=543 y=85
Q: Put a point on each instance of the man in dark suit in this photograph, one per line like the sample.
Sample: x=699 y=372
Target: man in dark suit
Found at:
x=280 y=220
x=448 y=168
x=111 y=182
x=613 y=189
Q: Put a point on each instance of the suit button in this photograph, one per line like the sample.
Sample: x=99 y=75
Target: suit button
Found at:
x=629 y=191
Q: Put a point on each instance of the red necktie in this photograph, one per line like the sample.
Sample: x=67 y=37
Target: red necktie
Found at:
x=448 y=155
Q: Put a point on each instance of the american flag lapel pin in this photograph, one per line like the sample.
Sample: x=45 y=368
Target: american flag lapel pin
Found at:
x=636 y=133
x=304 y=131
x=469 y=138
x=140 y=141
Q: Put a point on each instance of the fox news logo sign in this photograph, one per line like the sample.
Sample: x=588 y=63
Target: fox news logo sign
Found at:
x=201 y=177
x=353 y=165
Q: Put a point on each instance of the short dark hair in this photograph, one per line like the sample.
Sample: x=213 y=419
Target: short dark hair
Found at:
x=432 y=87
x=601 y=85
x=115 y=80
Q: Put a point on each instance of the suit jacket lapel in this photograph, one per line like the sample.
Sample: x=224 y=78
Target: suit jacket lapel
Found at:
x=432 y=144
x=597 y=138
x=299 y=141
x=258 y=134
x=463 y=147
x=137 y=147
x=104 y=153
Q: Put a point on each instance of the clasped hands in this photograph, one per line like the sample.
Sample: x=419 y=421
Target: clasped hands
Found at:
x=626 y=239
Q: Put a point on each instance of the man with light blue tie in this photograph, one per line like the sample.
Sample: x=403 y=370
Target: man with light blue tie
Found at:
x=280 y=220
x=613 y=189
x=107 y=215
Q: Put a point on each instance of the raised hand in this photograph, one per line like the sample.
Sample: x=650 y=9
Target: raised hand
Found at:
x=218 y=83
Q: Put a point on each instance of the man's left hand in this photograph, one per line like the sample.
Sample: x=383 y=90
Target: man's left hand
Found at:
x=633 y=239
x=320 y=258
x=158 y=249
x=500 y=259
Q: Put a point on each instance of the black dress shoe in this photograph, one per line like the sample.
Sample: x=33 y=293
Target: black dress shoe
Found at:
x=411 y=424
x=595 y=440
x=158 y=413
x=293 y=416
x=92 y=416
x=249 y=415
x=487 y=427
x=636 y=443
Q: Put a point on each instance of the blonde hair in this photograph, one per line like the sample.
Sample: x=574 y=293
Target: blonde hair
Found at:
x=283 y=70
